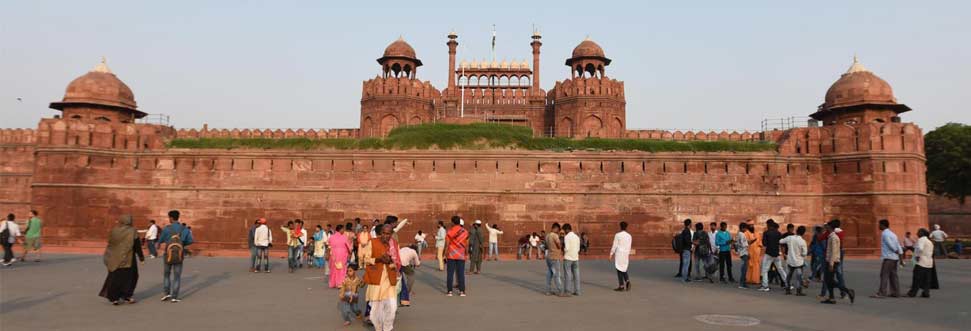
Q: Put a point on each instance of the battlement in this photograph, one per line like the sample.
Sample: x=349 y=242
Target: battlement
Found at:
x=398 y=86
x=678 y=135
x=591 y=86
x=841 y=139
x=18 y=136
x=267 y=133
x=96 y=134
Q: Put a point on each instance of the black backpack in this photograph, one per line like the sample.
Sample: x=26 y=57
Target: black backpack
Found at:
x=676 y=243
x=5 y=234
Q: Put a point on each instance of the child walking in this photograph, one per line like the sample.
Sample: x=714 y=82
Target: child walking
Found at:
x=347 y=295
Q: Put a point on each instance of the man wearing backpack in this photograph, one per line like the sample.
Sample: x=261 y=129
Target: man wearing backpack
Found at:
x=176 y=237
x=9 y=230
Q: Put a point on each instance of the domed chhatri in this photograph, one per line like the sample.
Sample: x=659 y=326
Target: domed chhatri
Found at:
x=588 y=60
x=400 y=48
x=99 y=94
x=399 y=60
x=588 y=48
x=859 y=89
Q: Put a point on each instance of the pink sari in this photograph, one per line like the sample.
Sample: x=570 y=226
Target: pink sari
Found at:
x=340 y=249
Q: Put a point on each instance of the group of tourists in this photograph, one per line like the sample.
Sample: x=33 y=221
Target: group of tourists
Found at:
x=10 y=231
x=773 y=257
x=124 y=253
x=374 y=272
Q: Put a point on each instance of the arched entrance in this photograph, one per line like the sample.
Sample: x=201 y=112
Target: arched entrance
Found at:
x=388 y=122
x=592 y=127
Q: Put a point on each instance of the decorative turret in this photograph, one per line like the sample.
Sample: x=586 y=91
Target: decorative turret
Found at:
x=99 y=95
x=399 y=60
x=859 y=96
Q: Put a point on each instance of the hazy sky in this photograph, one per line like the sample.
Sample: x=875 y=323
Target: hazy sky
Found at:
x=292 y=64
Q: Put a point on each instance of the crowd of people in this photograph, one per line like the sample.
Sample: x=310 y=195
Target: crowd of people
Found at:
x=773 y=257
x=374 y=271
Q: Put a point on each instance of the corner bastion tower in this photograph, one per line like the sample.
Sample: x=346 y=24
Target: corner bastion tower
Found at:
x=588 y=104
x=396 y=97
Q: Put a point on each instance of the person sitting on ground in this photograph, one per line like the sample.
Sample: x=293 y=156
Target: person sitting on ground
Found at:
x=347 y=295
x=584 y=243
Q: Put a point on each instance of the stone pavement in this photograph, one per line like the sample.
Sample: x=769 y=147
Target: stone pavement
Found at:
x=60 y=293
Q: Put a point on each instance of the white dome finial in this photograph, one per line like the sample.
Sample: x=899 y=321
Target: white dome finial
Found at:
x=857 y=66
x=102 y=67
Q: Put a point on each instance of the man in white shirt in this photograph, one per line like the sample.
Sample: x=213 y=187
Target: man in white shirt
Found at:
x=409 y=261
x=923 y=267
x=262 y=239
x=493 y=241
x=13 y=231
x=795 y=259
x=440 y=245
x=937 y=237
x=620 y=254
x=571 y=259
x=151 y=237
x=533 y=245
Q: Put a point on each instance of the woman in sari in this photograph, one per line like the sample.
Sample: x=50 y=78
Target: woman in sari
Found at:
x=119 y=257
x=754 y=272
x=340 y=249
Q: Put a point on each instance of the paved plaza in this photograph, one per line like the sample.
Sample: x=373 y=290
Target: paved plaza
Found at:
x=60 y=293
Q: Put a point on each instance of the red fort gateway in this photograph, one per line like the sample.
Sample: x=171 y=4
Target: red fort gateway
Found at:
x=98 y=160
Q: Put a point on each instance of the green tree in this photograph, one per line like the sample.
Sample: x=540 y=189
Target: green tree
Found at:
x=948 y=150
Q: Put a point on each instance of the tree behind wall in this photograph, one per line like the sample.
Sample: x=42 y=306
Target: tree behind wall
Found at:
x=948 y=151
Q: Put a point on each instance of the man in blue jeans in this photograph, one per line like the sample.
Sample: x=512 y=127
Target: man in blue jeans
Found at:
x=686 y=245
x=172 y=273
x=741 y=247
x=571 y=259
x=457 y=245
x=554 y=262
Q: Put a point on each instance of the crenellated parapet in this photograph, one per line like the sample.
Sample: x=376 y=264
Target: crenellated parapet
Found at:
x=379 y=87
x=267 y=133
x=18 y=136
x=59 y=132
x=678 y=135
x=589 y=87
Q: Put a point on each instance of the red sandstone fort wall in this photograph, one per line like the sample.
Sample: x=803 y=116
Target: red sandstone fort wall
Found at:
x=84 y=175
x=16 y=170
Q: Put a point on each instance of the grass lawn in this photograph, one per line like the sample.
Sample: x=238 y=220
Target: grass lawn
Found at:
x=476 y=136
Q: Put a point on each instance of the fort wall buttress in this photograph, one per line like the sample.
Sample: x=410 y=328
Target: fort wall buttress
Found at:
x=589 y=107
x=389 y=102
x=16 y=170
x=869 y=172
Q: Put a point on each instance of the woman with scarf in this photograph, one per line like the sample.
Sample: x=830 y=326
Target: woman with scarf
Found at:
x=119 y=257
x=340 y=250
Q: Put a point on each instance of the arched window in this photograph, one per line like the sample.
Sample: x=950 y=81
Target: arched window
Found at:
x=396 y=68
x=514 y=81
x=524 y=81
x=591 y=70
x=503 y=81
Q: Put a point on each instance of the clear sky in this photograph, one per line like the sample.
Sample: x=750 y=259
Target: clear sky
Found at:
x=292 y=64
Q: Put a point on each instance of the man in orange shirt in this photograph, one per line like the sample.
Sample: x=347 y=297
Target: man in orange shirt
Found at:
x=456 y=244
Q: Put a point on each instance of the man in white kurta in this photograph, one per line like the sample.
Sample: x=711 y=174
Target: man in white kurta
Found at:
x=620 y=254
